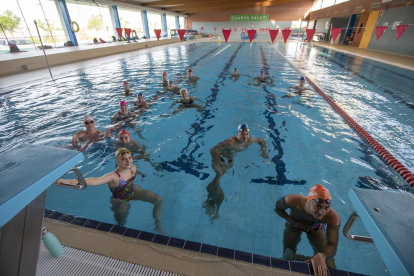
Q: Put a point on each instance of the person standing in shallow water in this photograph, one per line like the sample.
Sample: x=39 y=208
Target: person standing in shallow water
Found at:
x=222 y=160
x=120 y=182
x=312 y=215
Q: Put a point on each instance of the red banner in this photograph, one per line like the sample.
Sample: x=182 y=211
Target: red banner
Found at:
x=335 y=32
x=157 y=33
x=309 y=34
x=127 y=32
x=119 y=31
x=226 y=34
x=379 y=30
x=401 y=30
x=286 y=34
x=273 y=34
x=215 y=28
x=202 y=28
x=181 y=34
x=251 y=34
x=235 y=29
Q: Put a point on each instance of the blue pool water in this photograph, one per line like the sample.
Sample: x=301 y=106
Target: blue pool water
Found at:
x=307 y=141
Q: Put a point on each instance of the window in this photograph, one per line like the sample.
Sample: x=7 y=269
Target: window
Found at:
x=182 y=23
x=170 y=23
x=131 y=19
x=327 y=3
x=154 y=22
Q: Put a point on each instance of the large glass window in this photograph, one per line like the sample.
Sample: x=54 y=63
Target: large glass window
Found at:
x=131 y=19
x=154 y=22
x=182 y=26
x=327 y=3
x=94 y=21
x=316 y=5
x=170 y=23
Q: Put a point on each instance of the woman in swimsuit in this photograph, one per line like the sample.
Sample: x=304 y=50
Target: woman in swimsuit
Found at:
x=164 y=79
x=186 y=102
x=123 y=114
x=120 y=182
x=126 y=87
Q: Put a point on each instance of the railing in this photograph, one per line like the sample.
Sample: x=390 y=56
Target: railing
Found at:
x=347 y=228
x=81 y=181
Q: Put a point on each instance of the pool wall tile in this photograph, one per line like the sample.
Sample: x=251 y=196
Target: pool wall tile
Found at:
x=47 y=213
x=90 y=223
x=209 y=249
x=161 y=239
x=120 y=230
x=56 y=215
x=146 y=236
x=106 y=227
x=279 y=263
x=243 y=256
x=193 y=246
x=179 y=243
x=225 y=253
x=335 y=272
x=67 y=218
x=261 y=260
x=355 y=274
x=79 y=221
x=299 y=267
x=132 y=233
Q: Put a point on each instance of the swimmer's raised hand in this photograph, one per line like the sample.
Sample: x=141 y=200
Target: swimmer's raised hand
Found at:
x=75 y=139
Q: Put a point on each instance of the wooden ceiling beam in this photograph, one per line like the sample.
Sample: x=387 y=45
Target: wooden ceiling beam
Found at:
x=235 y=6
x=175 y=2
x=223 y=3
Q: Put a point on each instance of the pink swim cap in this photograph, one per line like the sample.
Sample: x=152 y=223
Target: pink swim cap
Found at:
x=124 y=132
x=121 y=103
x=125 y=82
x=164 y=73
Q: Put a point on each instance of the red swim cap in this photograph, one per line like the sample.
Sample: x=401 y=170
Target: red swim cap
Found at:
x=124 y=132
x=319 y=191
x=189 y=70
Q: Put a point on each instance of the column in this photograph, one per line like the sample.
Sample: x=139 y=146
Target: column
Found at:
x=145 y=22
x=65 y=20
x=115 y=19
x=177 y=21
x=164 y=23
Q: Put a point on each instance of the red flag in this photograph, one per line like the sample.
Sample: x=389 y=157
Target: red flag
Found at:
x=157 y=33
x=235 y=29
x=251 y=34
x=226 y=34
x=202 y=28
x=181 y=34
x=215 y=28
x=379 y=30
x=401 y=30
x=273 y=34
x=127 y=32
x=335 y=32
x=119 y=31
x=286 y=34
x=309 y=34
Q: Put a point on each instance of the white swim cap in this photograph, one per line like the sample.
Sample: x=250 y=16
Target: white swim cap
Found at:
x=183 y=90
x=87 y=117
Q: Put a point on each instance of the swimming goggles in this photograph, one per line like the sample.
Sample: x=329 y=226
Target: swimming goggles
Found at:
x=122 y=153
x=320 y=201
x=89 y=122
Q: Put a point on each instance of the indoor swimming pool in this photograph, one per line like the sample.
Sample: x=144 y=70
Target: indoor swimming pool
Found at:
x=307 y=141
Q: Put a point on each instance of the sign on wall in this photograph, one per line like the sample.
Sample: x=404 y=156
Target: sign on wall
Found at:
x=250 y=17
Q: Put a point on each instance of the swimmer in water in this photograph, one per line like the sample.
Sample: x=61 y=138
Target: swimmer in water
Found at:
x=263 y=79
x=235 y=73
x=298 y=89
x=191 y=77
x=124 y=141
x=314 y=216
x=186 y=102
x=141 y=104
x=173 y=88
x=123 y=115
x=90 y=134
x=222 y=160
x=126 y=87
x=120 y=183
x=164 y=79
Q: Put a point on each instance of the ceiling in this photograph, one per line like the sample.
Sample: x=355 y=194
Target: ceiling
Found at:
x=202 y=6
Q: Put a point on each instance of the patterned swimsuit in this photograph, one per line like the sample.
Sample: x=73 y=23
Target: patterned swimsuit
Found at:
x=124 y=190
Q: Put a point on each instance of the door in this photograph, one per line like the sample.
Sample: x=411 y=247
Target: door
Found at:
x=360 y=29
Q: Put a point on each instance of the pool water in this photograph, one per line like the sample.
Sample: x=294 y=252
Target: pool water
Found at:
x=307 y=141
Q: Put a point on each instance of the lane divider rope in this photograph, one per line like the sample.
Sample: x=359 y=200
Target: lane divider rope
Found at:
x=405 y=173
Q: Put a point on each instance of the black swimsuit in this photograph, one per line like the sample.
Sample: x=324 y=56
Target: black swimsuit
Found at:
x=187 y=104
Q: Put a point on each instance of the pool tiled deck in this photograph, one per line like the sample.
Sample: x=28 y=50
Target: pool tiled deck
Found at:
x=167 y=253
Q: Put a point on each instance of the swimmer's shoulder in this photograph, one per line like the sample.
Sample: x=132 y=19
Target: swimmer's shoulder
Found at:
x=333 y=217
x=295 y=200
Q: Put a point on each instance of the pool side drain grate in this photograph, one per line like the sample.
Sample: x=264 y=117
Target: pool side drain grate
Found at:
x=79 y=262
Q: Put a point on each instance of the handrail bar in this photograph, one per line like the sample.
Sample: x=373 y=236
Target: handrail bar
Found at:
x=81 y=181
x=347 y=228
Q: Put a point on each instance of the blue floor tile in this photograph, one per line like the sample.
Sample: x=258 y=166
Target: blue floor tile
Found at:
x=146 y=236
x=299 y=267
x=92 y=224
x=243 y=256
x=279 y=263
x=79 y=221
x=335 y=272
x=106 y=227
x=161 y=239
x=179 y=243
x=119 y=230
x=193 y=246
x=261 y=260
x=67 y=218
x=47 y=213
x=225 y=253
x=209 y=249
x=56 y=215
x=132 y=233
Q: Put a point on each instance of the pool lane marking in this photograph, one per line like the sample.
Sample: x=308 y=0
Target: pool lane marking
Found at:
x=404 y=172
x=212 y=57
x=280 y=165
